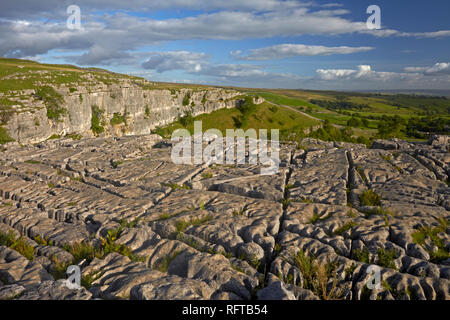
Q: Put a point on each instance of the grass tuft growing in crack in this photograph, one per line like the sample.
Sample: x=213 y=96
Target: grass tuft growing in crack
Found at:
x=317 y=276
x=236 y=268
x=286 y=202
x=175 y=186
x=18 y=244
x=316 y=217
x=164 y=264
x=378 y=211
x=166 y=216
x=345 y=227
x=240 y=212
x=129 y=224
x=58 y=269
x=181 y=225
x=386 y=258
x=85 y=250
x=370 y=198
x=109 y=245
x=361 y=174
x=362 y=255
x=252 y=260
x=81 y=251
x=43 y=241
x=89 y=279
x=432 y=234
x=207 y=175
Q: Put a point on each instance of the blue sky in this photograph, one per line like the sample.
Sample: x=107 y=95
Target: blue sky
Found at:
x=252 y=43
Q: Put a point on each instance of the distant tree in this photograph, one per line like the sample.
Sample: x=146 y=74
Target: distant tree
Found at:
x=390 y=127
x=187 y=119
x=347 y=133
x=354 y=122
x=365 y=123
x=363 y=140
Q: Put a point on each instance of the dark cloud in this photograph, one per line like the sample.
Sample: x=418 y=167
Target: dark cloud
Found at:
x=25 y=9
x=111 y=36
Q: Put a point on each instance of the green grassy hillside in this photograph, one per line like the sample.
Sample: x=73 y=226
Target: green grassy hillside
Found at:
x=16 y=74
x=265 y=116
x=348 y=117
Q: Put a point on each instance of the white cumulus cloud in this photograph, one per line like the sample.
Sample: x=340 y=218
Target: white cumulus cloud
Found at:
x=176 y=60
x=334 y=74
x=440 y=68
x=363 y=73
x=292 y=50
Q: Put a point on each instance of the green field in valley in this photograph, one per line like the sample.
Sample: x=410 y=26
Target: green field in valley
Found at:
x=369 y=110
x=265 y=116
x=356 y=117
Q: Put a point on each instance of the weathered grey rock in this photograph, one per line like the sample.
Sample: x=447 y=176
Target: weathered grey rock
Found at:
x=229 y=296
x=284 y=270
x=124 y=97
x=55 y=290
x=384 y=144
x=316 y=181
x=275 y=291
x=138 y=239
x=16 y=269
x=116 y=275
x=216 y=271
x=416 y=251
x=440 y=141
x=172 y=288
x=302 y=294
x=251 y=251
x=11 y=292
x=210 y=242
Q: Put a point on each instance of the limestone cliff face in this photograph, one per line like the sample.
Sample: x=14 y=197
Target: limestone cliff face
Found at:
x=144 y=109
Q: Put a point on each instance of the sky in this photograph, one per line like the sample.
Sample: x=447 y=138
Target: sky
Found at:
x=317 y=44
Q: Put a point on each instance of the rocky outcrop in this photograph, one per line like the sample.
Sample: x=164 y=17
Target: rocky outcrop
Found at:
x=152 y=229
x=142 y=108
x=439 y=141
x=385 y=145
